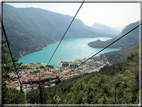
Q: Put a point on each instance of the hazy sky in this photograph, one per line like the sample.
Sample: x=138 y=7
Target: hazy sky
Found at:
x=111 y=14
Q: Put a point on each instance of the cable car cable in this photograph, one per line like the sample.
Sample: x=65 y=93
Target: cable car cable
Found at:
x=66 y=31
x=11 y=54
x=105 y=47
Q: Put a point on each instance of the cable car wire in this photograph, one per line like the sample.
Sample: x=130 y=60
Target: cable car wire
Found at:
x=66 y=30
x=61 y=41
x=105 y=48
x=10 y=53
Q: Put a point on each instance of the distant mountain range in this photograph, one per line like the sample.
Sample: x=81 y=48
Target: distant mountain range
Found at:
x=31 y=29
x=128 y=44
x=101 y=28
x=126 y=41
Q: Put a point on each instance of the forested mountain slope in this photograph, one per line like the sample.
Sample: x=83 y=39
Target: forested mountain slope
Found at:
x=126 y=41
x=118 y=56
x=116 y=84
x=31 y=29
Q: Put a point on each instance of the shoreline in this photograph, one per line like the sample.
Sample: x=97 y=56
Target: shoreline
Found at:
x=57 y=61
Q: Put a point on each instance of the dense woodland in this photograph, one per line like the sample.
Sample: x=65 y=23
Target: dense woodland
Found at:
x=116 y=84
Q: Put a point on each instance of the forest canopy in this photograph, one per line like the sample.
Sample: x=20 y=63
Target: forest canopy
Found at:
x=115 y=84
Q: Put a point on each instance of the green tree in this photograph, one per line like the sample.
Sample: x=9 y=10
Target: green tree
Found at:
x=10 y=96
x=103 y=100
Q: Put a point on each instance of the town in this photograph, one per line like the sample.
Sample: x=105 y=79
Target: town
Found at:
x=36 y=71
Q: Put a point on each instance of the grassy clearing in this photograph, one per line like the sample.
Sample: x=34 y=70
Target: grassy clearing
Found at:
x=42 y=69
x=76 y=62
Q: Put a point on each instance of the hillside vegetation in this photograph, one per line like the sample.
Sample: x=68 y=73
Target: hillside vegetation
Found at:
x=126 y=41
x=10 y=95
x=116 y=84
x=118 y=56
x=31 y=29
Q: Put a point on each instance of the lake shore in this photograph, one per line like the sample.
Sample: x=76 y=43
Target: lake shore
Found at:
x=69 y=50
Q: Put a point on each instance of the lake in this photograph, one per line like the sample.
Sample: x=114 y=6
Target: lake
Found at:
x=68 y=50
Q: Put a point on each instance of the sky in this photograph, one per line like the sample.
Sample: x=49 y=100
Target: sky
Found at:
x=110 y=14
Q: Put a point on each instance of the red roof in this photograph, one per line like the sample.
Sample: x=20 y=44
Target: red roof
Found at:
x=37 y=78
x=48 y=72
x=66 y=67
x=11 y=87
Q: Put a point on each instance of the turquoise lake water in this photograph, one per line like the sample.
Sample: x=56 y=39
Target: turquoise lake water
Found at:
x=68 y=50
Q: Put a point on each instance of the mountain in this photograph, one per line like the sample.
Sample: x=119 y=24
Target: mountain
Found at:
x=118 y=56
x=101 y=28
x=31 y=29
x=126 y=41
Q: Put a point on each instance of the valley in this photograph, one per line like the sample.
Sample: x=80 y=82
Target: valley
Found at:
x=28 y=34
x=70 y=49
x=111 y=77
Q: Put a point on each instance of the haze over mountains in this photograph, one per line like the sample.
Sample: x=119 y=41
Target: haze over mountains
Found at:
x=128 y=44
x=99 y=28
x=126 y=41
x=31 y=29
x=119 y=28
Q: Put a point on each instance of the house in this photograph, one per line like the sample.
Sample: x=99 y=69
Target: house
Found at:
x=46 y=77
x=6 y=82
x=48 y=73
x=75 y=74
x=25 y=75
x=66 y=67
x=54 y=71
x=11 y=86
x=32 y=67
x=55 y=74
x=61 y=79
x=32 y=78
x=28 y=86
x=65 y=71
x=37 y=78
x=29 y=76
x=37 y=74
